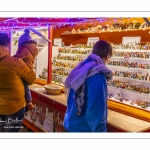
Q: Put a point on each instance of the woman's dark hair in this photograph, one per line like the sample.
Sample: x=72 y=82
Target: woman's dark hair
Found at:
x=102 y=49
x=4 y=39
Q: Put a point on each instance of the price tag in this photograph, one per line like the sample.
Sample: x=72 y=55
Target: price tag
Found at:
x=92 y=40
x=58 y=42
x=131 y=40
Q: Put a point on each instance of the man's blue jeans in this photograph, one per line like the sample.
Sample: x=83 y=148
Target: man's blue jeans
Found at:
x=28 y=96
x=12 y=123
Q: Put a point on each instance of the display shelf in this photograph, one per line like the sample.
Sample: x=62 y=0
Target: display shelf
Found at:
x=129 y=110
x=129 y=91
x=56 y=53
x=128 y=103
x=40 y=81
x=42 y=63
x=131 y=79
x=130 y=50
x=137 y=69
x=66 y=60
x=133 y=95
x=59 y=75
x=72 y=54
x=63 y=68
x=58 y=83
x=129 y=30
x=130 y=58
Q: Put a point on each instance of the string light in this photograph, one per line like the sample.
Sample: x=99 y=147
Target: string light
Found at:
x=22 y=23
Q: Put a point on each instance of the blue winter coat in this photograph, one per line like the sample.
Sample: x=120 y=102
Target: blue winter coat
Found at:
x=94 y=114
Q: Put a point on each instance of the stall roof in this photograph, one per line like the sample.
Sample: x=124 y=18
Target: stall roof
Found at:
x=11 y=24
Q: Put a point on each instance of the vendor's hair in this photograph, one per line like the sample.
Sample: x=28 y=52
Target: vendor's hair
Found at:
x=4 y=39
x=102 y=49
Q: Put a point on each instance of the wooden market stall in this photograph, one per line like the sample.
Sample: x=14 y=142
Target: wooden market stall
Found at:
x=51 y=108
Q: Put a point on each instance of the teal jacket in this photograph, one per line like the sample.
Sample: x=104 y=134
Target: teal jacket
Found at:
x=94 y=114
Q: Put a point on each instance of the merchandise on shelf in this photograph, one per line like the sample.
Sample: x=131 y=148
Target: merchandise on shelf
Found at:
x=104 y=28
x=135 y=46
x=64 y=65
x=132 y=87
x=131 y=75
x=118 y=96
x=60 y=71
x=67 y=58
x=44 y=74
x=128 y=64
x=122 y=54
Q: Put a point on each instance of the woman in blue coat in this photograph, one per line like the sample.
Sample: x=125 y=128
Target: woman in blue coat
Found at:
x=86 y=88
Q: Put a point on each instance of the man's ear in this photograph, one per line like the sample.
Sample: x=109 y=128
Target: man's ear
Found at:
x=107 y=57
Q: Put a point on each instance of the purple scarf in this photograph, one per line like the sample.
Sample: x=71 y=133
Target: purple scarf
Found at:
x=92 y=65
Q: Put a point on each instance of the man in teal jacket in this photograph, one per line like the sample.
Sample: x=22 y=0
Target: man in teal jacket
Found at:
x=86 y=88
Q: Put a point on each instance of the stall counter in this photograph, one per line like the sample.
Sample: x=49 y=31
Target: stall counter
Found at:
x=50 y=110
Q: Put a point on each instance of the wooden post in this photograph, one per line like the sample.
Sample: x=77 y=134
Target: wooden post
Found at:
x=50 y=36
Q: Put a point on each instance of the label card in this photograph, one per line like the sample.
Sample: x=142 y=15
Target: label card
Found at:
x=58 y=42
x=131 y=40
x=92 y=40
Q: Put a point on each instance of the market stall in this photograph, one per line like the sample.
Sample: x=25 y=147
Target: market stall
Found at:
x=72 y=40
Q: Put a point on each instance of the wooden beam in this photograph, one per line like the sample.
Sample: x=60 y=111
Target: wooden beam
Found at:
x=147 y=21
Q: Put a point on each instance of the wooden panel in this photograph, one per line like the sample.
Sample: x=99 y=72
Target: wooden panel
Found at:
x=112 y=128
x=129 y=110
x=31 y=126
x=126 y=123
x=40 y=81
x=114 y=37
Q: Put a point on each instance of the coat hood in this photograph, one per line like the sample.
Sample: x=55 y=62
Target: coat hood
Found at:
x=32 y=48
x=3 y=51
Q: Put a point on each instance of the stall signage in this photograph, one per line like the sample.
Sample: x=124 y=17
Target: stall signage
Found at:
x=131 y=40
x=92 y=40
x=58 y=42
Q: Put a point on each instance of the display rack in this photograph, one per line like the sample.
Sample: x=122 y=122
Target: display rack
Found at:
x=64 y=60
x=131 y=80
